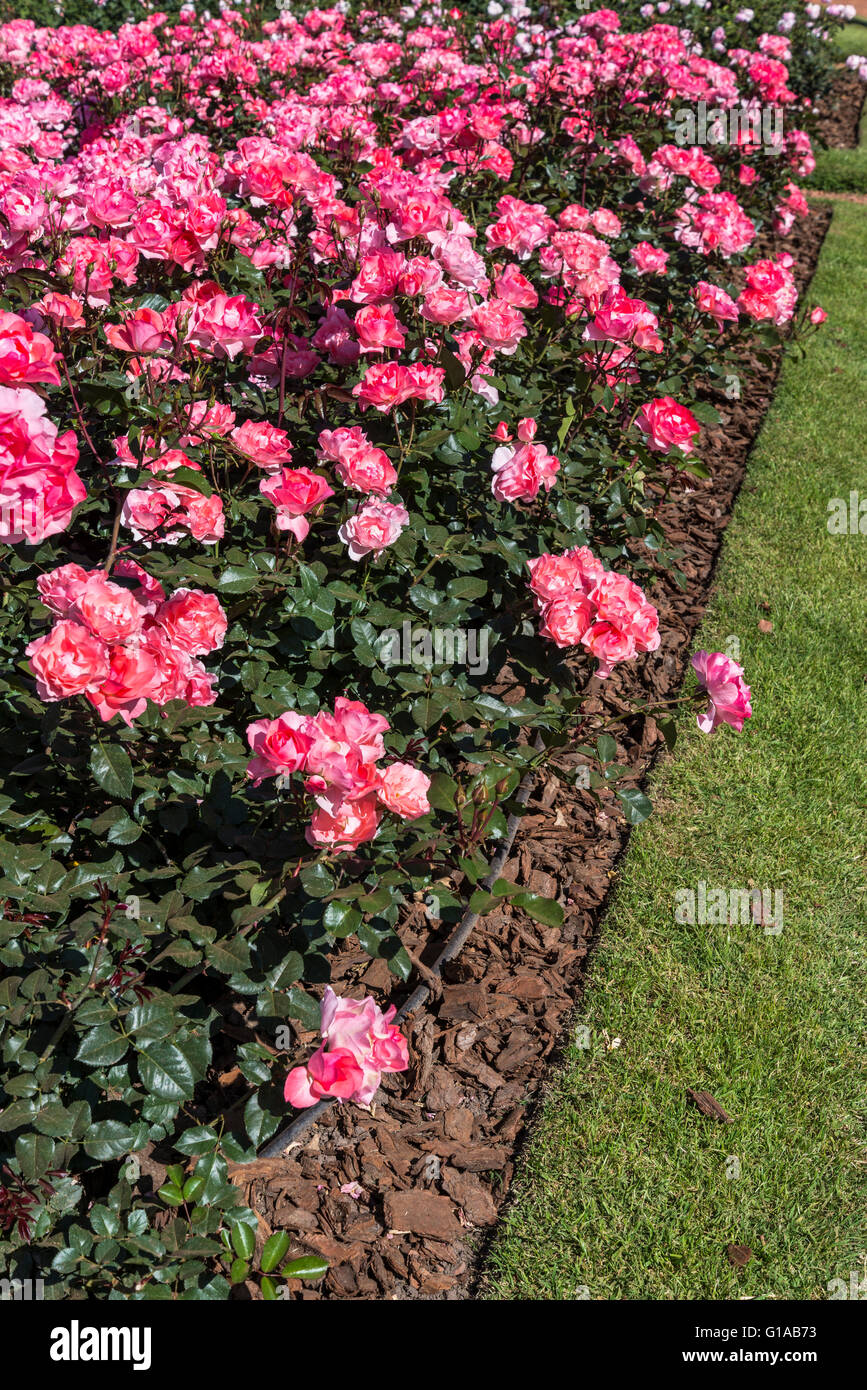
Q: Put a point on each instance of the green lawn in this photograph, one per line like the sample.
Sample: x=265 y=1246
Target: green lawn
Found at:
x=627 y=1191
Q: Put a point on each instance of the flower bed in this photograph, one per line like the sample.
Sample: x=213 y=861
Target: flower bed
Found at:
x=327 y=352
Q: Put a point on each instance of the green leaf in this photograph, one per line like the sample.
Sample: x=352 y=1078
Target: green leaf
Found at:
x=165 y=1070
x=243 y=1240
x=636 y=806
x=101 y=1046
x=276 y=1248
x=606 y=747
x=112 y=769
x=540 y=908
x=308 y=1267
x=316 y=881
x=109 y=1139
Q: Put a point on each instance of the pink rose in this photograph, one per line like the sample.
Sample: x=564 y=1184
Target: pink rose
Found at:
x=377 y=328
x=110 y=611
x=515 y=288
x=133 y=678
x=142 y=333
x=722 y=678
x=668 y=426
x=372 y=528
x=194 y=621
x=295 y=491
x=60 y=589
x=609 y=645
x=357 y=462
x=649 y=260
x=403 y=789
x=327 y=1074
x=266 y=445
x=345 y=826
x=69 y=660
x=520 y=473
x=280 y=746
x=566 y=619
x=25 y=357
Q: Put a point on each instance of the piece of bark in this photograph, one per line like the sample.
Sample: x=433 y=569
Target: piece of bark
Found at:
x=708 y=1106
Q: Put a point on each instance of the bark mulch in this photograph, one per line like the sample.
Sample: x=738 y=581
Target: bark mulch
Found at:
x=839 y=114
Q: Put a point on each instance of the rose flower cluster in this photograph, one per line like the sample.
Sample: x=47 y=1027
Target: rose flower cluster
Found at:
x=360 y=1042
x=121 y=647
x=339 y=755
x=581 y=602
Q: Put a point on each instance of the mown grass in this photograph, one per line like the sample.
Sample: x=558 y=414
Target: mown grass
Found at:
x=627 y=1191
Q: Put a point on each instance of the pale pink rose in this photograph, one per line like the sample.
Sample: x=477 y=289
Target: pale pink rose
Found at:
x=609 y=645
x=60 y=589
x=566 y=619
x=403 y=789
x=455 y=253
x=295 y=491
x=69 y=660
x=110 y=611
x=818 y=315
x=264 y=444
x=372 y=528
x=345 y=826
x=280 y=746
x=194 y=621
x=723 y=680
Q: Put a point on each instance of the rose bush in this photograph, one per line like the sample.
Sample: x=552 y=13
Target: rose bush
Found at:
x=313 y=331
